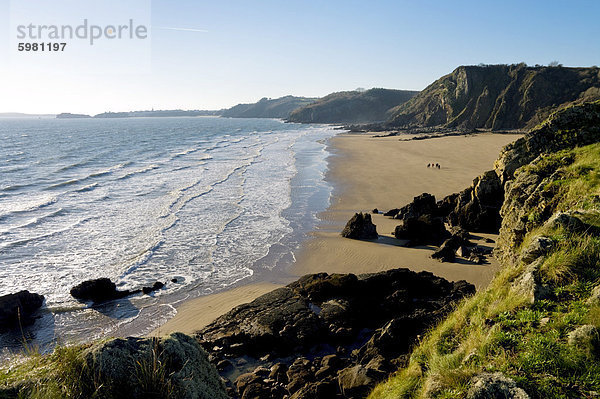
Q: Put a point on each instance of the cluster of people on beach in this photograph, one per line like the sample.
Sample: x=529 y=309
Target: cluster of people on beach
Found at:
x=434 y=165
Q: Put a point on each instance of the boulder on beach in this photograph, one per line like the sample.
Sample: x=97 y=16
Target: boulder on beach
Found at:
x=423 y=204
x=360 y=227
x=18 y=309
x=426 y=229
x=98 y=290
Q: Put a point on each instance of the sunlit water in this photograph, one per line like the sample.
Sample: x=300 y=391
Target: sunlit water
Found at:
x=207 y=201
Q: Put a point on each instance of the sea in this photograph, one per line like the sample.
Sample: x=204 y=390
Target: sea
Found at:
x=207 y=202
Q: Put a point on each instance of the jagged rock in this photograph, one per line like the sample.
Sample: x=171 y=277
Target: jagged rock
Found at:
x=392 y=212
x=357 y=381
x=447 y=204
x=98 y=290
x=299 y=374
x=360 y=227
x=528 y=284
x=120 y=365
x=478 y=207
x=461 y=234
x=336 y=310
x=423 y=204
x=155 y=287
x=463 y=252
x=18 y=309
x=325 y=389
x=320 y=312
x=423 y=230
x=395 y=338
x=246 y=380
x=288 y=319
x=329 y=366
x=279 y=373
x=539 y=246
x=494 y=385
x=375 y=211
x=585 y=337
x=446 y=253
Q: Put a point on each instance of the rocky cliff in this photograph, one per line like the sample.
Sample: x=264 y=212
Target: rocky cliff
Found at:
x=534 y=332
x=268 y=108
x=496 y=97
x=352 y=106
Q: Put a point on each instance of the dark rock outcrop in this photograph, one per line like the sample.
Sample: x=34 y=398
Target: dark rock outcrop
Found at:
x=98 y=290
x=18 y=309
x=360 y=227
x=102 y=289
x=155 y=287
x=477 y=208
x=423 y=204
x=310 y=328
x=423 y=230
x=420 y=222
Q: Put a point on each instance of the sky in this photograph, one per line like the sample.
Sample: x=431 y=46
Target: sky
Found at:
x=202 y=54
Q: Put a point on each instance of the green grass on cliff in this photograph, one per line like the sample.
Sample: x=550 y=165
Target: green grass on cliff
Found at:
x=64 y=373
x=56 y=375
x=500 y=330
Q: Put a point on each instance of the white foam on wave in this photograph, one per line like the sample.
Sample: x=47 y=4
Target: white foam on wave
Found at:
x=26 y=205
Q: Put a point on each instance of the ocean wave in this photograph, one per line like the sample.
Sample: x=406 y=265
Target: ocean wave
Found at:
x=25 y=241
x=37 y=220
x=110 y=170
x=26 y=206
x=72 y=166
x=89 y=187
x=139 y=171
x=143 y=257
x=15 y=187
x=99 y=173
x=185 y=152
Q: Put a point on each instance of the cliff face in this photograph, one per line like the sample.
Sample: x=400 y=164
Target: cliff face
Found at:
x=352 y=107
x=268 y=108
x=477 y=208
x=497 y=97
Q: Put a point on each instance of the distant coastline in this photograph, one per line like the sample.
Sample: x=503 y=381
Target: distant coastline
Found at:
x=141 y=114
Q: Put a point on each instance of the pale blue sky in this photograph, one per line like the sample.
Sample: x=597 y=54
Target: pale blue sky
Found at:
x=246 y=50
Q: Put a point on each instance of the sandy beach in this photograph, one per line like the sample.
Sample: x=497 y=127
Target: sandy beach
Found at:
x=369 y=173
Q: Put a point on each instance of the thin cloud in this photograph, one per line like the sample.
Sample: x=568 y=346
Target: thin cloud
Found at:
x=183 y=29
